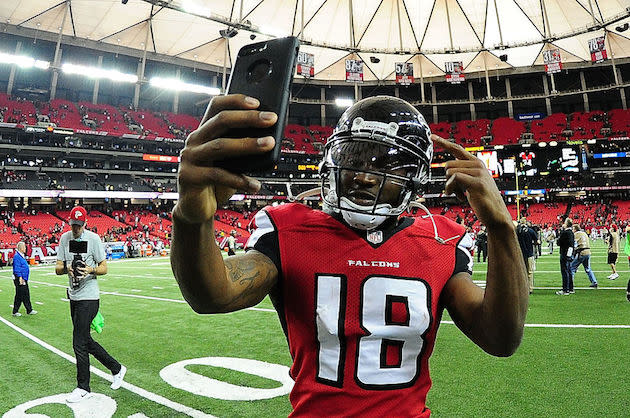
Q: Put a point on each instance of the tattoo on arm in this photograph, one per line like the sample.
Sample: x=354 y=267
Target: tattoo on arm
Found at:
x=252 y=276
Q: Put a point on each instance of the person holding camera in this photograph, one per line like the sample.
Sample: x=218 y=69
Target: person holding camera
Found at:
x=81 y=256
x=359 y=289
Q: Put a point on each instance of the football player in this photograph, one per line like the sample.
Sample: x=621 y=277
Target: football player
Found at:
x=359 y=290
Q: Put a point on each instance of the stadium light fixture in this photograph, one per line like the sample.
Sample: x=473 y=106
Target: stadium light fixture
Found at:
x=340 y=102
x=23 y=61
x=178 y=85
x=196 y=9
x=94 y=72
x=273 y=31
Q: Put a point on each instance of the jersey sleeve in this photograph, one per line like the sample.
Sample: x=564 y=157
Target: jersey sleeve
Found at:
x=264 y=237
x=463 y=259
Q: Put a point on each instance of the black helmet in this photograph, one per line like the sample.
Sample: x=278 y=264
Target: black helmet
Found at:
x=381 y=136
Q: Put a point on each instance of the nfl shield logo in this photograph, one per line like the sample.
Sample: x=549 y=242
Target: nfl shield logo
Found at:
x=375 y=237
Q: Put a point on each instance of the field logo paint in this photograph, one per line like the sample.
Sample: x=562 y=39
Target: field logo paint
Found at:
x=105 y=406
x=178 y=376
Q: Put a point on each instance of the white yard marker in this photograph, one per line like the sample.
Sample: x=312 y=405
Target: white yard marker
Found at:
x=132 y=388
x=39 y=303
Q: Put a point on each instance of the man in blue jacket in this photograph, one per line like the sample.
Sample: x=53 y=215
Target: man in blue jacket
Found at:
x=20 y=275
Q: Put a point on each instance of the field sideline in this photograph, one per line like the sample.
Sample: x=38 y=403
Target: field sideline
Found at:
x=573 y=361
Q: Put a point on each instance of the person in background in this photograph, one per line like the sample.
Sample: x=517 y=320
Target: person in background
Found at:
x=538 y=243
x=550 y=236
x=582 y=255
x=84 y=296
x=482 y=243
x=566 y=241
x=627 y=251
x=613 y=250
x=231 y=243
x=527 y=239
x=21 y=272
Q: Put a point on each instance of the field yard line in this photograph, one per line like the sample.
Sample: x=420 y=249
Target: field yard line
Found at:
x=132 y=388
x=563 y=325
x=444 y=322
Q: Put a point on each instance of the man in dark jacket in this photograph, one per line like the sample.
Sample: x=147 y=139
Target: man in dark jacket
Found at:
x=482 y=243
x=566 y=241
x=20 y=280
x=527 y=239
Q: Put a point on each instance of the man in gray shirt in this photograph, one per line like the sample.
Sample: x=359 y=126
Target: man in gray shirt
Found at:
x=84 y=297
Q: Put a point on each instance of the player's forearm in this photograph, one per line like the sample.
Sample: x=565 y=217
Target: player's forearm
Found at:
x=506 y=295
x=198 y=265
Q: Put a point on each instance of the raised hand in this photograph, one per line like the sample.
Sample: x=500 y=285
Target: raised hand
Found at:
x=202 y=186
x=468 y=178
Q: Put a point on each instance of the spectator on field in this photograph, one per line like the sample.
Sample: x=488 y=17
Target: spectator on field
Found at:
x=582 y=255
x=482 y=243
x=21 y=272
x=613 y=250
x=231 y=243
x=527 y=239
x=84 y=296
x=566 y=241
x=550 y=237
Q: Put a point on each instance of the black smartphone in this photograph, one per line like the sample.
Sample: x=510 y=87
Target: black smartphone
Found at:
x=263 y=70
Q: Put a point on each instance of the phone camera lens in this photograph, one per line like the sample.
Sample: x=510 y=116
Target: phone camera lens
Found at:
x=258 y=71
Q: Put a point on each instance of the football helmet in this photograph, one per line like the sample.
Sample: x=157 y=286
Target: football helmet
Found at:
x=378 y=156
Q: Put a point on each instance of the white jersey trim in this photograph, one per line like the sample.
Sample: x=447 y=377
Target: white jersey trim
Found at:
x=263 y=225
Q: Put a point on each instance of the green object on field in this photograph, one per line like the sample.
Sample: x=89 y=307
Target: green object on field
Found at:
x=627 y=248
x=98 y=322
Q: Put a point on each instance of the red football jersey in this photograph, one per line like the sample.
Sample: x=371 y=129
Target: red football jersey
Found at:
x=360 y=309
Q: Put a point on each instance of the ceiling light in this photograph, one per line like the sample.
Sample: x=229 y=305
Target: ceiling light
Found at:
x=196 y=9
x=94 y=72
x=340 y=102
x=23 y=61
x=178 y=85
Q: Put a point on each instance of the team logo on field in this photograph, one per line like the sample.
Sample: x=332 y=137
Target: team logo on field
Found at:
x=375 y=237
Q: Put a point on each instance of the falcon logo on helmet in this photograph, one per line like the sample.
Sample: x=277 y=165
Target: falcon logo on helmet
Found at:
x=379 y=141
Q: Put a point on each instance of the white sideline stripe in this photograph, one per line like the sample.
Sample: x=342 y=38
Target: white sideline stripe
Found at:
x=562 y=325
x=132 y=388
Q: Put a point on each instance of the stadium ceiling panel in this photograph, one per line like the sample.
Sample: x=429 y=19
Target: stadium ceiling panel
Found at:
x=430 y=32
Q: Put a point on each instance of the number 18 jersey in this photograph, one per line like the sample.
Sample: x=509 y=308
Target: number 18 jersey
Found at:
x=360 y=309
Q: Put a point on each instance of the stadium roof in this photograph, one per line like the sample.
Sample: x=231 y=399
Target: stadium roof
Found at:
x=428 y=33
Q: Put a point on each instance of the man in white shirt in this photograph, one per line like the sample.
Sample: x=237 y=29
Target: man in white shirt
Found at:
x=84 y=296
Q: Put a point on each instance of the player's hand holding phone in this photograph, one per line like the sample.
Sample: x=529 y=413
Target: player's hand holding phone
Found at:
x=239 y=133
x=201 y=185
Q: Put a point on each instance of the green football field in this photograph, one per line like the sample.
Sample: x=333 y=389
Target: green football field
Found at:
x=574 y=360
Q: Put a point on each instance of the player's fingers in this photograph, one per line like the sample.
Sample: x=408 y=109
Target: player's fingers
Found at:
x=455 y=149
x=230 y=101
x=458 y=183
x=225 y=148
x=452 y=187
x=471 y=171
x=196 y=176
x=464 y=163
x=226 y=120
